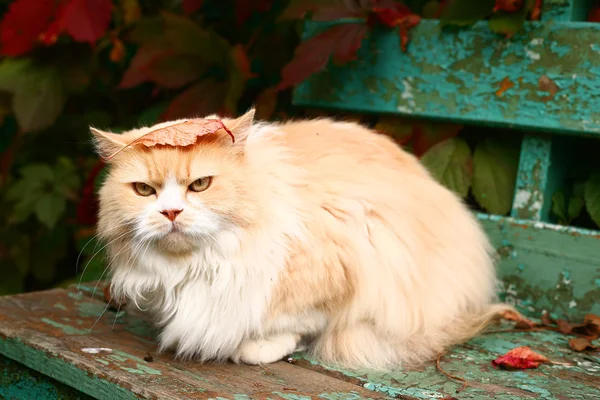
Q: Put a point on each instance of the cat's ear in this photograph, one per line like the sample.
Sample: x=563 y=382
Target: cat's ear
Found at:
x=107 y=143
x=240 y=127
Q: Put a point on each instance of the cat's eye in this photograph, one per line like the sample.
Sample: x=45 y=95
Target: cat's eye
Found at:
x=143 y=189
x=200 y=185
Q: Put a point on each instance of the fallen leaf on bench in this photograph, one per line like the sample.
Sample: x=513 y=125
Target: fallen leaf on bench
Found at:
x=564 y=326
x=520 y=358
x=547 y=319
x=592 y=324
x=521 y=320
x=182 y=134
x=582 y=344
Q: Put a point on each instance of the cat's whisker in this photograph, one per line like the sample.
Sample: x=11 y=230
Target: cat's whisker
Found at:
x=88 y=242
x=116 y=316
x=99 y=317
x=93 y=256
x=112 y=260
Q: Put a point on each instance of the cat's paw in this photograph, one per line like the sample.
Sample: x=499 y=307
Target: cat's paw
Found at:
x=267 y=350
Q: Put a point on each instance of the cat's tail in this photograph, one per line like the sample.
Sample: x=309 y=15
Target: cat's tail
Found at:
x=471 y=324
x=362 y=346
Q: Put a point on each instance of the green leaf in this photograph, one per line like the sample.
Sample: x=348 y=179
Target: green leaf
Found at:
x=67 y=177
x=465 y=12
x=450 y=163
x=510 y=23
x=23 y=209
x=576 y=204
x=559 y=207
x=495 y=164
x=592 y=197
x=38 y=173
x=12 y=71
x=49 y=208
x=39 y=99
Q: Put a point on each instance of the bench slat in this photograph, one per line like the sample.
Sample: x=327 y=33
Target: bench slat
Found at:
x=459 y=76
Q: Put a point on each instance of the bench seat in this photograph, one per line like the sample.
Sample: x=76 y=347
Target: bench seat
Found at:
x=48 y=349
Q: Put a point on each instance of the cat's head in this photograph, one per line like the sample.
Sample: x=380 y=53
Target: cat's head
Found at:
x=175 y=198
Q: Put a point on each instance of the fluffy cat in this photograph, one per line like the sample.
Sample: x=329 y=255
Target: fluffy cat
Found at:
x=308 y=234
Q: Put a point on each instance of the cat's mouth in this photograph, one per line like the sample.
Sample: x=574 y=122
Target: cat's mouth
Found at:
x=175 y=228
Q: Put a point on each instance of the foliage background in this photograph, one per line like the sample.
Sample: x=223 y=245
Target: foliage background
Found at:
x=118 y=64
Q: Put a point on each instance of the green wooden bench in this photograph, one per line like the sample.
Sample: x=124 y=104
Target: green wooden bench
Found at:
x=65 y=344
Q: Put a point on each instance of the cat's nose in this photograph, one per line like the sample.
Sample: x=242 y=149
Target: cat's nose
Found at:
x=171 y=214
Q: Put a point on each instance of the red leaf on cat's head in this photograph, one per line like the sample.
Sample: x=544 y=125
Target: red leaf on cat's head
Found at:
x=182 y=134
x=520 y=358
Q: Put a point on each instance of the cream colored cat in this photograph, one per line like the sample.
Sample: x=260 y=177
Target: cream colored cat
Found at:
x=316 y=232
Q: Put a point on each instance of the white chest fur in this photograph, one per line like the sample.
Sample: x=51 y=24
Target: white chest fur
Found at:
x=206 y=303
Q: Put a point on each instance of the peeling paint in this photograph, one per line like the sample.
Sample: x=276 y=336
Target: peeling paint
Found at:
x=96 y=350
x=460 y=83
x=68 y=329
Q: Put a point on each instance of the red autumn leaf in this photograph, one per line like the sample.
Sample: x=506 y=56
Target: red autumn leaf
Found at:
x=173 y=70
x=594 y=14
x=23 y=23
x=536 y=13
x=312 y=55
x=392 y=14
x=241 y=60
x=86 y=20
x=509 y=6
x=117 y=52
x=427 y=135
x=203 y=98
x=136 y=73
x=349 y=45
x=183 y=134
x=191 y=6
x=520 y=358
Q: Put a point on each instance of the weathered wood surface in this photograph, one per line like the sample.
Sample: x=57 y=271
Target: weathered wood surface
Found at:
x=47 y=331
x=460 y=75
x=545 y=266
x=19 y=383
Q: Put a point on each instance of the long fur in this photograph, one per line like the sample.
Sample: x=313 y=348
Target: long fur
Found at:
x=316 y=230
